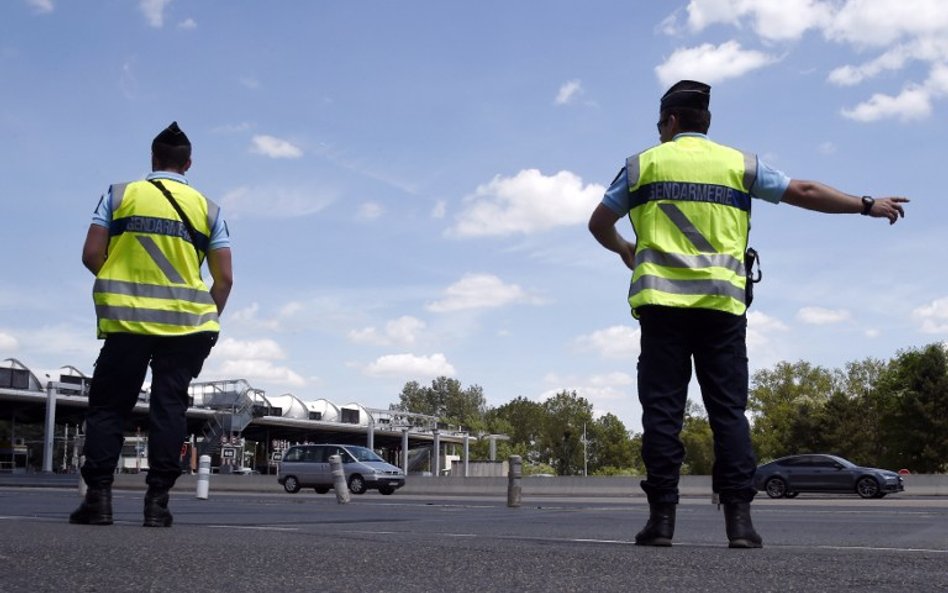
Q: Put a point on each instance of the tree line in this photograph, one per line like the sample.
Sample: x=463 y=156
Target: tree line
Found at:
x=890 y=414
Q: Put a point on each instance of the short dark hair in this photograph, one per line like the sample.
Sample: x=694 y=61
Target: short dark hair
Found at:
x=170 y=157
x=689 y=119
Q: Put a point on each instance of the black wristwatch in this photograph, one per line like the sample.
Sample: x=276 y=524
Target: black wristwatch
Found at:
x=867 y=203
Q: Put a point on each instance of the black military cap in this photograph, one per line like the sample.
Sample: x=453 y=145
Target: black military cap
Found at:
x=172 y=136
x=687 y=93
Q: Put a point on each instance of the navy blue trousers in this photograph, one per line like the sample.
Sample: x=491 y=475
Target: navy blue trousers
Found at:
x=716 y=341
x=116 y=383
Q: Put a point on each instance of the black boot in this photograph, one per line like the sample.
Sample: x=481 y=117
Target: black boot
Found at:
x=740 y=529
x=660 y=528
x=156 y=508
x=96 y=508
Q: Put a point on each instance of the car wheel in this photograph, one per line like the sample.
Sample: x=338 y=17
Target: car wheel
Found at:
x=867 y=487
x=792 y=494
x=291 y=485
x=386 y=490
x=321 y=489
x=776 y=488
x=356 y=484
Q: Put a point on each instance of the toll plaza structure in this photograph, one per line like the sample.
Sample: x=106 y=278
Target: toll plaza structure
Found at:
x=224 y=418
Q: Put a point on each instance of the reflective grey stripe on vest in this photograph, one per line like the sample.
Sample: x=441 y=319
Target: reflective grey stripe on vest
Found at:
x=212 y=211
x=633 y=170
x=160 y=260
x=695 y=287
x=750 y=170
x=153 y=291
x=691 y=262
x=177 y=318
x=116 y=193
x=687 y=228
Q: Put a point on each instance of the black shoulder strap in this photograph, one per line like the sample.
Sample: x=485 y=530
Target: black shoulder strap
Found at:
x=192 y=234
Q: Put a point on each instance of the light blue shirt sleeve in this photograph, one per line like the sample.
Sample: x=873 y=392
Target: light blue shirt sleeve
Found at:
x=220 y=234
x=102 y=215
x=770 y=183
x=616 y=197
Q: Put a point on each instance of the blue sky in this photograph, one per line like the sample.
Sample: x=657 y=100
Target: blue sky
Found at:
x=407 y=184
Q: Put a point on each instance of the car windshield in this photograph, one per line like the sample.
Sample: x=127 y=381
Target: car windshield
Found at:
x=363 y=454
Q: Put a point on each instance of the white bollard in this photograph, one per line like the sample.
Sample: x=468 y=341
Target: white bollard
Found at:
x=513 y=481
x=204 y=477
x=339 y=479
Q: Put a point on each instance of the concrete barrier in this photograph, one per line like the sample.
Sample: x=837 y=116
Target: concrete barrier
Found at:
x=578 y=486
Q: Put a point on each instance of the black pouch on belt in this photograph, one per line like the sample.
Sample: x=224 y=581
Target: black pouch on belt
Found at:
x=751 y=259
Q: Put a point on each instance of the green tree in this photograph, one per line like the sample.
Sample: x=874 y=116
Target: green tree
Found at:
x=784 y=402
x=698 y=440
x=914 y=390
x=446 y=400
x=852 y=413
x=566 y=413
x=610 y=445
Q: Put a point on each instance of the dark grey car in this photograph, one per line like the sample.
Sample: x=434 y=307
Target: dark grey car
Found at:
x=789 y=476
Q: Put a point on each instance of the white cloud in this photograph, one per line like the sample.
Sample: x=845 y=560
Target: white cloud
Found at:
x=402 y=331
x=369 y=211
x=568 y=92
x=826 y=148
x=528 y=202
x=618 y=341
x=905 y=31
x=771 y=19
x=154 y=11
x=251 y=360
x=710 y=63
x=933 y=316
x=911 y=104
x=822 y=316
x=439 y=210
x=188 y=24
x=262 y=370
x=410 y=366
x=275 y=202
x=480 y=291
x=761 y=327
x=8 y=343
x=876 y=23
x=265 y=349
x=275 y=148
x=42 y=6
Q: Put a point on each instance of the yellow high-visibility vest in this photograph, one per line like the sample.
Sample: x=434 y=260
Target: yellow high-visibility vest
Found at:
x=151 y=281
x=690 y=209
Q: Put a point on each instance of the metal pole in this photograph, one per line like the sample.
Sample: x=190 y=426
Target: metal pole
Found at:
x=49 y=435
x=370 y=437
x=405 y=451
x=513 y=481
x=339 y=479
x=467 y=453
x=585 y=453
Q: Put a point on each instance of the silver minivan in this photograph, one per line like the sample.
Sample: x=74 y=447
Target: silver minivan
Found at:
x=305 y=466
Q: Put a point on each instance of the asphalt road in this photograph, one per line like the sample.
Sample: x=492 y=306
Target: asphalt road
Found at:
x=307 y=542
